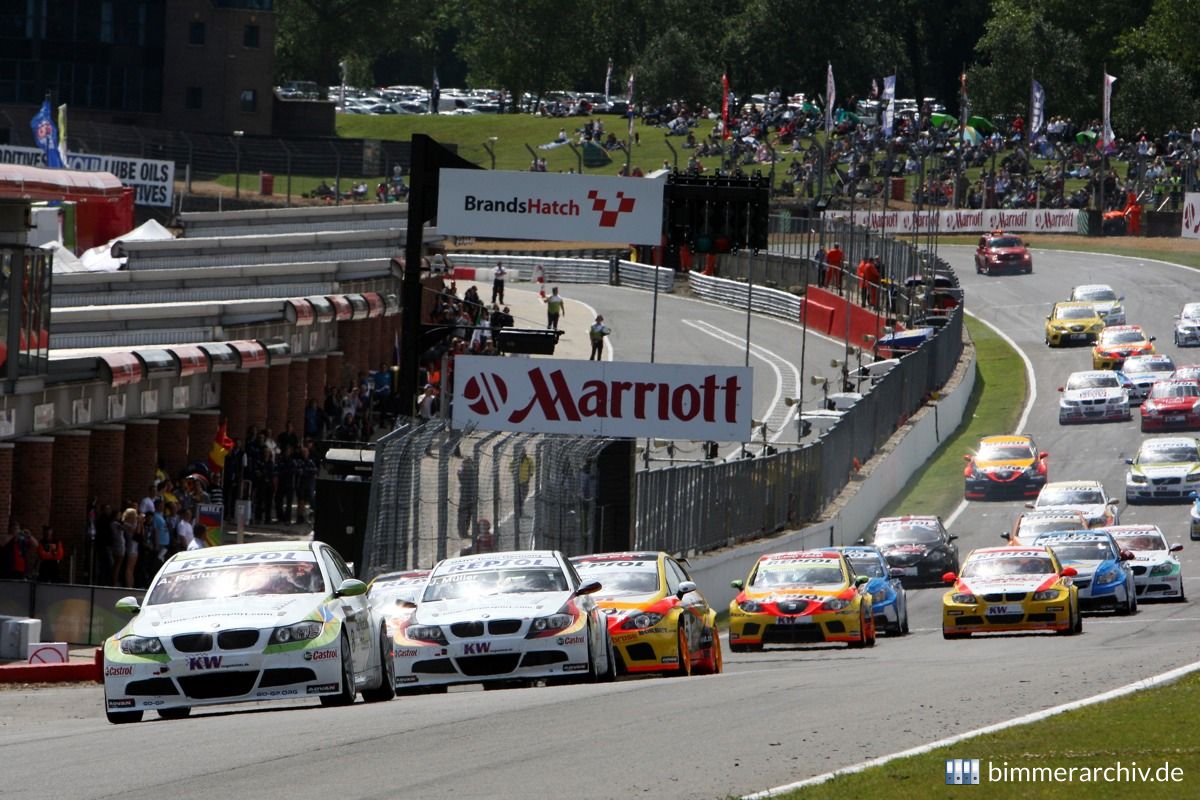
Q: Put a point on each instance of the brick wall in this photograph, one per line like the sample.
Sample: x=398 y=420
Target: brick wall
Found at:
x=141 y=456
x=202 y=429
x=256 y=398
x=234 y=391
x=278 y=390
x=316 y=378
x=333 y=369
x=33 y=461
x=106 y=464
x=69 y=486
x=173 y=445
x=6 y=484
x=297 y=395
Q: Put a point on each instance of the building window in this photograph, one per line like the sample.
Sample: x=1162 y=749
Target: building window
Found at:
x=196 y=33
x=249 y=100
x=250 y=36
x=195 y=98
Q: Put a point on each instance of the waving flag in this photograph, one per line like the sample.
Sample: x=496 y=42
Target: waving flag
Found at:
x=1109 y=80
x=1037 y=109
x=435 y=96
x=46 y=135
x=62 y=135
x=830 y=98
x=725 y=105
x=889 y=104
x=221 y=446
x=607 y=80
x=629 y=99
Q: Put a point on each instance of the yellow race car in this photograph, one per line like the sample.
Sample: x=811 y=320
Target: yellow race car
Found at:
x=1004 y=589
x=1073 y=323
x=1118 y=343
x=801 y=597
x=657 y=619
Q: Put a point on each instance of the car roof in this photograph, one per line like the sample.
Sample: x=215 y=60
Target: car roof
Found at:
x=908 y=518
x=1127 y=529
x=643 y=555
x=1006 y=438
x=1122 y=328
x=1089 y=287
x=1015 y=551
x=801 y=554
x=412 y=574
x=1045 y=514
x=1074 y=485
x=1076 y=304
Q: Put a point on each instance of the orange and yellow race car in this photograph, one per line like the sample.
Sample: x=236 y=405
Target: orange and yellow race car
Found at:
x=657 y=619
x=1118 y=343
x=801 y=597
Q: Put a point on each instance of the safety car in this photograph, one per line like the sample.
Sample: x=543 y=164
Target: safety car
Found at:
x=1004 y=466
x=1000 y=251
x=1087 y=497
x=1031 y=524
x=889 y=599
x=1105 y=573
x=919 y=547
x=503 y=619
x=1157 y=573
x=279 y=620
x=658 y=620
x=801 y=597
x=1172 y=404
x=1093 y=396
x=1187 y=326
x=1144 y=371
x=1072 y=323
x=1164 y=469
x=1107 y=302
x=1118 y=343
x=1005 y=589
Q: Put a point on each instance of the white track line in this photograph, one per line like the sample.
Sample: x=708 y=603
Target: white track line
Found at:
x=1130 y=688
x=962 y=506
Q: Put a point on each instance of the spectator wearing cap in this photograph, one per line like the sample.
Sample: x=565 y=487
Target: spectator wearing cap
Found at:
x=597 y=333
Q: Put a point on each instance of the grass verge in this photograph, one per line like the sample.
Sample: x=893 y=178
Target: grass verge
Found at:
x=936 y=488
x=1128 y=729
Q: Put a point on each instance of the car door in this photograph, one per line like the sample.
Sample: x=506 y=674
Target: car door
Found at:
x=693 y=607
x=597 y=627
x=356 y=612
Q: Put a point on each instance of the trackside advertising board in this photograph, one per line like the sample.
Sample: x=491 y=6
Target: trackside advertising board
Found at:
x=542 y=205
x=1191 y=215
x=1028 y=220
x=608 y=398
x=153 y=181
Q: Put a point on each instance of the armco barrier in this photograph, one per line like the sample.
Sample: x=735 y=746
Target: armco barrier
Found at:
x=570 y=270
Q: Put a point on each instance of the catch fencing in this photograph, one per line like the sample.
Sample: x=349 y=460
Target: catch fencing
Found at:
x=439 y=492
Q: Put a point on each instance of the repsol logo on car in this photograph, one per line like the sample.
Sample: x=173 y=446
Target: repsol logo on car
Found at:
x=320 y=655
x=515 y=205
x=204 y=662
x=321 y=688
x=118 y=671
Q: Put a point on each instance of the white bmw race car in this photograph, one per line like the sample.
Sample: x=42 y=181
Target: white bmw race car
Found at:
x=1106 y=301
x=1093 y=396
x=284 y=620
x=503 y=618
x=1157 y=573
x=1144 y=371
x=1187 y=326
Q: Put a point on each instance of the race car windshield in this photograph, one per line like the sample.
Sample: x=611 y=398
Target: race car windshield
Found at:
x=398 y=592
x=1183 y=454
x=1140 y=366
x=1187 y=373
x=1191 y=311
x=1074 y=312
x=1006 y=241
x=1094 y=294
x=1070 y=497
x=867 y=566
x=1080 y=551
x=1122 y=337
x=482 y=583
x=237 y=580
x=1035 y=526
x=623 y=583
x=904 y=534
x=1162 y=390
x=1011 y=452
x=995 y=567
x=797 y=575
x=1093 y=382
x=1141 y=541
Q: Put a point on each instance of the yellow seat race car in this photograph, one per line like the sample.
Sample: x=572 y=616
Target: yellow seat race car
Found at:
x=801 y=597
x=1119 y=343
x=1073 y=323
x=657 y=619
x=1005 y=589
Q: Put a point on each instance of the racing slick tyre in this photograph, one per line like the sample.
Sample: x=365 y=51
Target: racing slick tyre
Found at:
x=1074 y=623
x=182 y=712
x=863 y=640
x=610 y=662
x=714 y=661
x=346 y=696
x=683 y=668
x=874 y=632
x=947 y=635
x=386 y=689
x=123 y=717
x=1129 y=606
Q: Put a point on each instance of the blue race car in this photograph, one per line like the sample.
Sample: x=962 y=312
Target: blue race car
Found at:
x=1104 y=572
x=889 y=602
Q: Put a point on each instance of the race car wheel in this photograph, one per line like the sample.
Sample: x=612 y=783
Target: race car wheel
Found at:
x=683 y=668
x=713 y=663
x=182 y=712
x=1129 y=606
x=610 y=662
x=862 y=635
x=347 y=694
x=123 y=717
x=386 y=689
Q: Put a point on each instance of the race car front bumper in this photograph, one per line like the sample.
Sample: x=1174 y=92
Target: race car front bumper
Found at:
x=1100 y=597
x=653 y=649
x=1019 y=484
x=763 y=629
x=1058 y=338
x=490 y=657
x=1167 y=490
x=1086 y=411
x=1187 y=337
x=1166 y=585
x=1165 y=422
x=1007 y=616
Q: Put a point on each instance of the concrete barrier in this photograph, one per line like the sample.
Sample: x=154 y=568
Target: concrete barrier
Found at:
x=72 y=672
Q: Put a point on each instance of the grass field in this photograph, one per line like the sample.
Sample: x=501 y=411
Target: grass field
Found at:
x=1150 y=727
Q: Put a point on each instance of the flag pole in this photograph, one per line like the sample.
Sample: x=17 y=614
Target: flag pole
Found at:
x=1103 y=144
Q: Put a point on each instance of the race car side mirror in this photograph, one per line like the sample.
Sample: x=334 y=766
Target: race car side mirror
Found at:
x=1061 y=389
x=898 y=572
x=1069 y=572
x=1006 y=536
x=1127 y=555
x=1043 y=454
x=949 y=577
x=861 y=580
x=686 y=587
x=405 y=603
x=861 y=540
x=951 y=537
x=128 y=605
x=967 y=458
x=1030 y=505
x=588 y=587
x=1128 y=460
x=1114 y=502
x=1154 y=338
x=1175 y=548
x=738 y=584
x=351 y=587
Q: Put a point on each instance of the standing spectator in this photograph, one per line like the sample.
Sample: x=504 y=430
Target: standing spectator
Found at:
x=162 y=536
x=819 y=260
x=833 y=267
x=522 y=476
x=146 y=504
x=306 y=483
x=116 y=549
x=131 y=531
x=498 y=276
x=264 y=489
x=468 y=497
x=428 y=405
x=199 y=538
x=285 y=492
x=482 y=333
x=185 y=532
x=314 y=420
x=12 y=561
x=51 y=552
x=231 y=479
x=597 y=333
x=288 y=438
x=555 y=308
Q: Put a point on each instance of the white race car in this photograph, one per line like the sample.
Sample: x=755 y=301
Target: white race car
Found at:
x=1156 y=571
x=1187 y=326
x=1144 y=371
x=1095 y=395
x=504 y=618
x=284 y=620
x=1087 y=497
x=1106 y=302
x=1165 y=469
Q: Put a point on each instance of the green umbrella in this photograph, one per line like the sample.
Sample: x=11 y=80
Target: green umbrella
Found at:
x=847 y=116
x=809 y=108
x=1085 y=137
x=941 y=120
x=982 y=124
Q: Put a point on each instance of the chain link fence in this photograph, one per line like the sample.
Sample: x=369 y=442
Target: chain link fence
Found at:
x=438 y=492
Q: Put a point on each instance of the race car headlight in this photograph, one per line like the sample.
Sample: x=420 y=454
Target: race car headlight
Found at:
x=641 y=621
x=836 y=604
x=1049 y=594
x=1097 y=327
x=938 y=555
x=142 y=645
x=547 y=626
x=426 y=633
x=1135 y=478
x=300 y=632
x=1193 y=476
x=1162 y=569
x=750 y=606
x=964 y=597
x=882 y=596
x=1107 y=575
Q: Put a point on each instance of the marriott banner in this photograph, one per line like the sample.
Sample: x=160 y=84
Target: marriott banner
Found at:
x=543 y=205
x=603 y=398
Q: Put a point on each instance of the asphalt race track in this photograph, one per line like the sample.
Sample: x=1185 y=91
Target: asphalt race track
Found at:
x=772 y=718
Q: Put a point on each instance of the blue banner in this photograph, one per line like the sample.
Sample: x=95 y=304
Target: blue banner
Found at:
x=46 y=135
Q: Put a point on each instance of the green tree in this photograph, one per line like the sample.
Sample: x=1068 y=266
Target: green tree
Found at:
x=674 y=66
x=1157 y=96
x=1171 y=31
x=313 y=36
